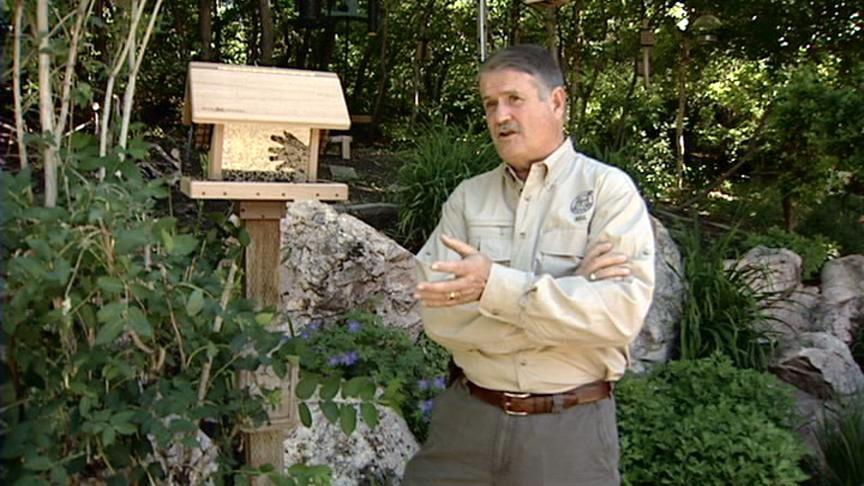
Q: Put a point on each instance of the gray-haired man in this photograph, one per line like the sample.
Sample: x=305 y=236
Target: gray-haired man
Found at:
x=537 y=278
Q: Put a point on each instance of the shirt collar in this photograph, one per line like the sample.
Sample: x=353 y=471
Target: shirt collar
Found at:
x=552 y=165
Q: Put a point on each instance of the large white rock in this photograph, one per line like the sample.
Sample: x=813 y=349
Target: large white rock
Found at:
x=335 y=263
x=657 y=337
x=840 y=310
x=365 y=457
x=820 y=364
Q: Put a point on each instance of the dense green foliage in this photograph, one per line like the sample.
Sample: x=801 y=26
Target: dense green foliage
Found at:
x=109 y=326
x=358 y=345
x=440 y=158
x=722 y=312
x=707 y=422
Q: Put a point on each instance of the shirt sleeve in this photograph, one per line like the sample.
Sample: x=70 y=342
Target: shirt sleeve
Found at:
x=572 y=309
x=462 y=327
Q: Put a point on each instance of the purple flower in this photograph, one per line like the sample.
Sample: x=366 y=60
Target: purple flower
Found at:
x=286 y=338
x=423 y=384
x=350 y=358
x=354 y=326
x=426 y=407
x=334 y=360
x=439 y=383
x=313 y=326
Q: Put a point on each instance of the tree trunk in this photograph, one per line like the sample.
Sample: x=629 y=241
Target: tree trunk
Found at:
x=383 y=75
x=790 y=216
x=205 y=27
x=357 y=89
x=514 y=32
x=266 y=15
x=16 y=85
x=46 y=104
x=683 y=65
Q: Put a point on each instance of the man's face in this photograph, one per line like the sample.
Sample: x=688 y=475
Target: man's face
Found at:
x=524 y=126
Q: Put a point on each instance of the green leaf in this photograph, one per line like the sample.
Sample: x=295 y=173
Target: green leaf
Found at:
x=195 y=302
x=370 y=414
x=305 y=414
x=131 y=239
x=139 y=323
x=330 y=388
x=348 y=418
x=109 y=332
x=111 y=312
x=330 y=411
x=110 y=285
x=306 y=387
x=108 y=436
x=167 y=241
x=38 y=463
x=367 y=391
x=353 y=386
x=184 y=245
x=264 y=318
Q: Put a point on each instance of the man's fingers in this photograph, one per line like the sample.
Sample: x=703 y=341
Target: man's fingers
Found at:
x=619 y=271
x=607 y=260
x=598 y=249
x=460 y=247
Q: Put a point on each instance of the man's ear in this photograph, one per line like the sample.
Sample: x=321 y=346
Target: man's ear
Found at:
x=559 y=101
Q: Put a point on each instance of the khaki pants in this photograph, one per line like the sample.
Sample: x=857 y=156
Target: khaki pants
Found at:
x=472 y=443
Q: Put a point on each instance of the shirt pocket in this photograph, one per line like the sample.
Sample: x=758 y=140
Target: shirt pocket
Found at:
x=493 y=238
x=561 y=251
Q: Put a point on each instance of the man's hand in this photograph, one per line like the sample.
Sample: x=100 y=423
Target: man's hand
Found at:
x=471 y=274
x=601 y=262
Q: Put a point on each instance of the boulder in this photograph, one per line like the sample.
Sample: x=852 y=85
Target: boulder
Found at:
x=365 y=457
x=657 y=337
x=820 y=364
x=335 y=263
x=840 y=310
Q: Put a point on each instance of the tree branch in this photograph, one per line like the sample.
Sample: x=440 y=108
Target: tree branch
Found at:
x=83 y=11
x=217 y=326
x=46 y=103
x=16 y=85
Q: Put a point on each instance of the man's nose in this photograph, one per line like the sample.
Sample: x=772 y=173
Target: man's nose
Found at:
x=502 y=113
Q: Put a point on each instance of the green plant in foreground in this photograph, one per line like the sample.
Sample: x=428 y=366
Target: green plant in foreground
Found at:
x=358 y=345
x=437 y=163
x=706 y=422
x=111 y=349
x=722 y=313
x=841 y=440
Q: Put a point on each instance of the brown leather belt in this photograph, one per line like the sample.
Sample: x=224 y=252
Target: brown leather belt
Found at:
x=514 y=403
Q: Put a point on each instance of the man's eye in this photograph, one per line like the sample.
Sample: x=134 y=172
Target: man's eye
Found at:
x=515 y=99
x=490 y=104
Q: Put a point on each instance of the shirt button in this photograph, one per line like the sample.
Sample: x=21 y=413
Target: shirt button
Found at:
x=496 y=312
x=523 y=363
x=522 y=234
x=527 y=198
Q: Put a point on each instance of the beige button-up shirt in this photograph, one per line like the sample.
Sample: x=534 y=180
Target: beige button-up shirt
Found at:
x=538 y=327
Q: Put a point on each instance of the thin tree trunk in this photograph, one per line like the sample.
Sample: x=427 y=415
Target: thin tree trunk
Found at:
x=112 y=77
x=360 y=76
x=129 y=94
x=683 y=65
x=46 y=104
x=83 y=12
x=382 y=80
x=266 y=14
x=16 y=85
x=205 y=27
x=514 y=32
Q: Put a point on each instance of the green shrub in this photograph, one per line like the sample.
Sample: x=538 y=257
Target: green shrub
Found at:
x=837 y=218
x=814 y=250
x=108 y=323
x=358 y=345
x=722 y=313
x=841 y=441
x=707 y=422
x=434 y=166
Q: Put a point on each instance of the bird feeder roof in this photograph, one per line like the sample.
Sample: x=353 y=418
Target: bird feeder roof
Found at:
x=223 y=93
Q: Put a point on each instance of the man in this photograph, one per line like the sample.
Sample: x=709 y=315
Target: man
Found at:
x=537 y=278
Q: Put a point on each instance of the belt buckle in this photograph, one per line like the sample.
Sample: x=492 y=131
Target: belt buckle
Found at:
x=507 y=403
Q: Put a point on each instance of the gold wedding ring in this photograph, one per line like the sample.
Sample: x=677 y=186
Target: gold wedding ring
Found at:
x=452 y=295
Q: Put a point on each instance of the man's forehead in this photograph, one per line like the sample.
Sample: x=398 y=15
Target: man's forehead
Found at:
x=507 y=81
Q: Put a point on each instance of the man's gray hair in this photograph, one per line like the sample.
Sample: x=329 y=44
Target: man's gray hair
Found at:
x=530 y=59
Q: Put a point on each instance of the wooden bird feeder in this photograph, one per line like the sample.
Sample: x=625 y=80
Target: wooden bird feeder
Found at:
x=263 y=153
x=266 y=123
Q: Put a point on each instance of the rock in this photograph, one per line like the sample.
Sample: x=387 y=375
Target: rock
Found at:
x=365 y=457
x=840 y=310
x=820 y=364
x=336 y=263
x=655 y=341
x=771 y=269
x=183 y=464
